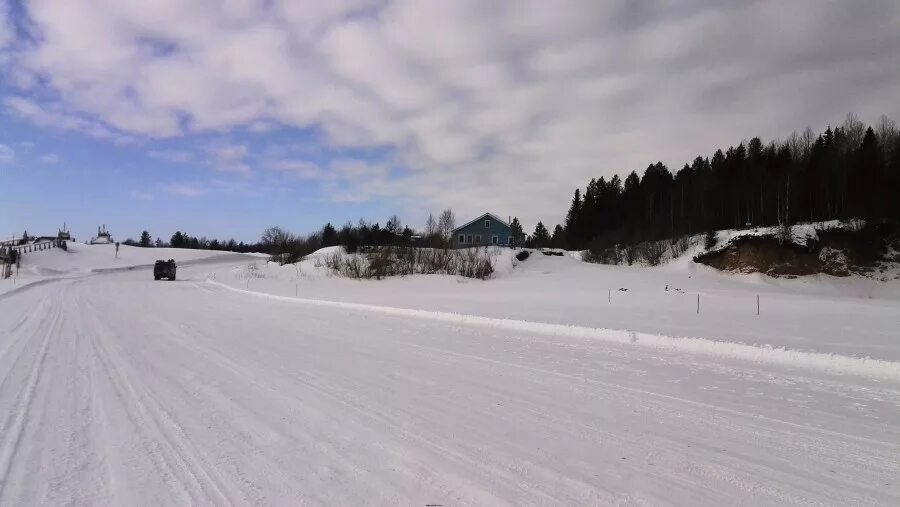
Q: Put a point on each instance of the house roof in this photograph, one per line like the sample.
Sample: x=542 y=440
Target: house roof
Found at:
x=493 y=217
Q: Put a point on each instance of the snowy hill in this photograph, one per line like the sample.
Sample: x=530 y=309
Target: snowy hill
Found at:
x=851 y=316
x=81 y=259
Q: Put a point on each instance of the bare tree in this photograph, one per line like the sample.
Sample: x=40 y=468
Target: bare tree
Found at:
x=795 y=144
x=447 y=222
x=887 y=134
x=393 y=225
x=276 y=237
x=431 y=227
x=808 y=138
x=855 y=130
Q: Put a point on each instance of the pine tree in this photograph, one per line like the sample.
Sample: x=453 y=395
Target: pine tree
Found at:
x=848 y=171
x=559 y=237
x=541 y=237
x=406 y=236
x=518 y=234
x=145 y=240
x=329 y=235
x=178 y=240
x=573 y=229
x=393 y=225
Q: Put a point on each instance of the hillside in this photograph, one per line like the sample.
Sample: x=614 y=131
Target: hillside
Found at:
x=832 y=248
x=853 y=316
x=80 y=259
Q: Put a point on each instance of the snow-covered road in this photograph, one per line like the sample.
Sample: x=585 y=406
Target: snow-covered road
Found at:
x=117 y=390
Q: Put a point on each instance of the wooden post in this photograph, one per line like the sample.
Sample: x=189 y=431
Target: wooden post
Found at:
x=296 y=289
x=609 y=295
x=698 y=304
x=757 y=304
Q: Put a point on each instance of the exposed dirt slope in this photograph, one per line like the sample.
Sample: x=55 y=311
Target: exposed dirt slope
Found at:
x=833 y=252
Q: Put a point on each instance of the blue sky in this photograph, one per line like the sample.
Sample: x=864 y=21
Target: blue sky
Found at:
x=168 y=185
x=224 y=117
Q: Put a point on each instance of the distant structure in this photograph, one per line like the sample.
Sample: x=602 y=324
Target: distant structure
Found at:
x=488 y=229
x=63 y=234
x=103 y=237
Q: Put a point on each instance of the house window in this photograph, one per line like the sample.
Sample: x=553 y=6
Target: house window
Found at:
x=487 y=224
x=478 y=238
x=462 y=238
x=495 y=239
x=469 y=238
x=509 y=240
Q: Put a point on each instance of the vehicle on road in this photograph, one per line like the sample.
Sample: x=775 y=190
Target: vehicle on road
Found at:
x=164 y=269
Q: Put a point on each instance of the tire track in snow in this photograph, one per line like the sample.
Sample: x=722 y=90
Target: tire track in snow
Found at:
x=667 y=397
x=22 y=337
x=731 y=471
x=372 y=415
x=169 y=447
x=736 y=471
x=16 y=420
x=829 y=363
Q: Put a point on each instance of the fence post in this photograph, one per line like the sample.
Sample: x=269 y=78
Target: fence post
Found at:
x=609 y=295
x=698 y=304
x=757 y=304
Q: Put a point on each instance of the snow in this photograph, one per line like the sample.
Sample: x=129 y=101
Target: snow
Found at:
x=80 y=259
x=245 y=382
x=853 y=317
x=877 y=369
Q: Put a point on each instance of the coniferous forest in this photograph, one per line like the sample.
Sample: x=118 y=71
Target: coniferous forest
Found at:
x=849 y=171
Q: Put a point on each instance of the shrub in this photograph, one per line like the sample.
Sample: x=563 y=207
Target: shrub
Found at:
x=380 y=262
x=710 y=240
x=652 y=251
x=524 y=254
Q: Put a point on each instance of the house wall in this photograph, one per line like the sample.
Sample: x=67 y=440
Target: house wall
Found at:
x=477 y=229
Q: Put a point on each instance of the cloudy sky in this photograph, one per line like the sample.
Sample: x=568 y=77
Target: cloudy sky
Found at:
x=221 y=117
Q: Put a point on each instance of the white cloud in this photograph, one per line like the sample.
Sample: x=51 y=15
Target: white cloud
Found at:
x=53 y=115
x=230 y=158
x=6 y=154
x=185 y=189
x=176 y=156
x=300 y=168
x=49 y=158
x=6 y=28
x=484 y=104
x=262 y=127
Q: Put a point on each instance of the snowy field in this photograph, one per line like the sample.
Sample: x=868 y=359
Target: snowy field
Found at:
x=248 y=383
x=81 y=259
x=846 y=316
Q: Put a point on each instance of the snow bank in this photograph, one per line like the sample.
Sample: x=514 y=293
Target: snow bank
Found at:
x=80 y=259
x=829 y=363
x=800 y=233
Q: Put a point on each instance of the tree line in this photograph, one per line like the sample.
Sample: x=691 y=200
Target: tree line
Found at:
x=278 y=241
x=364 y=234
x=185 y=240
x=850 y=171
